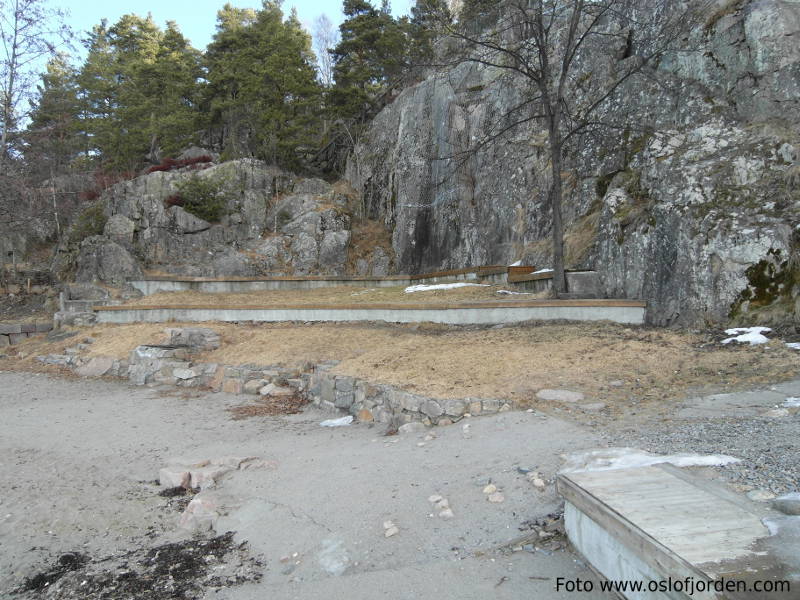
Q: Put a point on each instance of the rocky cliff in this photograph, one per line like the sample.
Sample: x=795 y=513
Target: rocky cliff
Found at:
x=269 y=223
x=698 y=217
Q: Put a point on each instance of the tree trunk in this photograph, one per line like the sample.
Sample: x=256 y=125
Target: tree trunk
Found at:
x=559 y=277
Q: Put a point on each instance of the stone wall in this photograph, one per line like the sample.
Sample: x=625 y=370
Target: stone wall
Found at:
x=14 y=333
x=172 y=364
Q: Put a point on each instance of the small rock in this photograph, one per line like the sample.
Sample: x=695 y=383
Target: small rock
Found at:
x=497 y=497
x=391 y=531
x=760 y=495
x=413 y=427
x=559 y=395
x=442 y=504
x=593 y=406
x=490 y=489
x=777 y=413
x=539 y=484
x=434 y=498
x=616 y=383
x=788 y=504
x=446 y=514
x=430 y=437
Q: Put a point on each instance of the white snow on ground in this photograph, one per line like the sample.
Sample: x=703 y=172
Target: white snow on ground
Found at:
x=340 y=422
x=747 y=335
x=608 y=459
x=792 y=402
x=441 y=286
x=793 y=345
x=510 y=293
x=516 y=264
x=542 y=271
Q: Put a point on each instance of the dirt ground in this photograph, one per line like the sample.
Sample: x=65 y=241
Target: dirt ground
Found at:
x=336 y=296
x=628 y=368
x=81 y=512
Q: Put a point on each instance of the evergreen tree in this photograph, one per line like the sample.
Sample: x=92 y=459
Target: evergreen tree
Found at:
x=51 y=137
x=140 y=88
x=427 y=18
x=372 y=51
x=262 y=94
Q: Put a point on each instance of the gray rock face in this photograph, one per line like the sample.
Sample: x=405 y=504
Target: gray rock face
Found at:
x=680 y=218
x=120 y=229
x=274 y=223
x=101 y=260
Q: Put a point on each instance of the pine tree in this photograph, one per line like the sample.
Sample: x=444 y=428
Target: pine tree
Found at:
x=52 y=140
x=372 y=51
x=262 y=94
x=140 y=88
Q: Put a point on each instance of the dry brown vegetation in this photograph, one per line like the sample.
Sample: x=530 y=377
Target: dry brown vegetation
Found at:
x=655 y=365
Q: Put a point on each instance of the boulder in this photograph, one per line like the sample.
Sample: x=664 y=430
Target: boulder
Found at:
x=103 y=260
x=333 y=251
x=185 y=222
x=119 y=228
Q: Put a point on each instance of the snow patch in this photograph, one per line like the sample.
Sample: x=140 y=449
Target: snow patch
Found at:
x=510 y=293
x=341 y=422
x=792 y=402
x=542 y=271
x=793 y=345
x=747 y=335
x=516 y=264
x=441 y=286
x=609 y=459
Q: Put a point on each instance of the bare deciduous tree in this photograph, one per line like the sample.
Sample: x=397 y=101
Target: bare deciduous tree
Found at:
x=30 y=30
x=326 y=36
x=573 y=57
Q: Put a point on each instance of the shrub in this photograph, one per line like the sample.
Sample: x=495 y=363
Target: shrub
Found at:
x=204 y=197
x=167 y=164
x=89 y=222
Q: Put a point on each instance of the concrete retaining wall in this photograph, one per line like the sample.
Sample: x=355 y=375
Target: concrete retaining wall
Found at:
x=217 y=286
x=629 y=312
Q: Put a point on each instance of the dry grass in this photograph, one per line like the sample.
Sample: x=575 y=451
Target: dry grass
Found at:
x=332 y=296
x=263 y=407
x=513 y=362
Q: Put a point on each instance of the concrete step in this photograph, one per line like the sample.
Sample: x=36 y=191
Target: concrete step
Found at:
x=658 y=524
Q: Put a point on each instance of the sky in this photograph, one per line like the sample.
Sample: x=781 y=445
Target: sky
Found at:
x=196 y=18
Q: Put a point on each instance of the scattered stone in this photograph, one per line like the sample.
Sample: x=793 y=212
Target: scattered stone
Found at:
x=96 y=367
x=446 y=514
x=171 y=477
x=184 y=373
x=788 y=504
x=430 y=437
x=539 y=484
x=490 y=489
x=496 y=497
x=200 y=514
x=275 y=390
x=232 y=386
x=559 y=395
x=365 y=415
x=434 y=498
x=616 y=383
x=413 y=427
x=593 y=406
x=777 y=413
x=390 y=529
x=760 y=495
x=444 y=422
